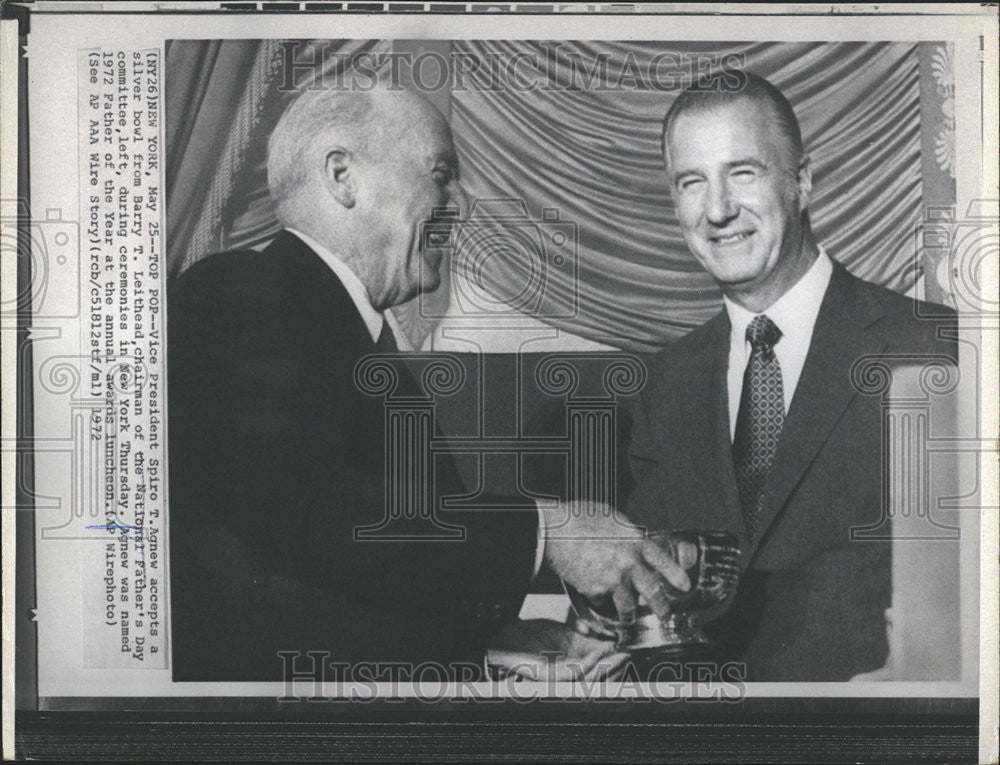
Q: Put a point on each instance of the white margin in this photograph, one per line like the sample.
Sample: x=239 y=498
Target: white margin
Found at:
x=8 y=369
x=989 y=689
x=989 y=418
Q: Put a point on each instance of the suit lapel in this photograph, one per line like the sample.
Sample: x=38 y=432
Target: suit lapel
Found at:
x=334 y=319
x=842 y=335
x=334 y=324
x=705 y=422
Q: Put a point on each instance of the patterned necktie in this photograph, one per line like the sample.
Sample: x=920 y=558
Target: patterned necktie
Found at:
x=760 y=420
x=386 y=342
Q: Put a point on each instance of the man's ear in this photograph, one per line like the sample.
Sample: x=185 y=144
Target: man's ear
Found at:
x=805 y=179
x=338 y=174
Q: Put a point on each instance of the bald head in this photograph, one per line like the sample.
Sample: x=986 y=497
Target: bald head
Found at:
x=361 y=173
x=362 y=124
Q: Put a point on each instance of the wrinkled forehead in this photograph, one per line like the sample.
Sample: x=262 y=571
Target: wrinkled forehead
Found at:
x=727 y=132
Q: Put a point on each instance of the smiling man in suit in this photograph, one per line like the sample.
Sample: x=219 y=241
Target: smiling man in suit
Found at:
x=751 y=423
x=277 y=457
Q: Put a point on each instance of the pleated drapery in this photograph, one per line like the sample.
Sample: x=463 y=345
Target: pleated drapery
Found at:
x=223 y=100
x=594 y=156
x=579 y=159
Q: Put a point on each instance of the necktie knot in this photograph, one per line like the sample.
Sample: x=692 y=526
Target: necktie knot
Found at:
x=763 y=333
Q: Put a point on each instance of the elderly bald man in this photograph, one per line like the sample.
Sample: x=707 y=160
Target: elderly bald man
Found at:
x=277 y=457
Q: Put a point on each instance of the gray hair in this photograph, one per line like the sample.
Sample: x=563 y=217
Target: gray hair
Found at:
x=729 y=86
x=310 y=124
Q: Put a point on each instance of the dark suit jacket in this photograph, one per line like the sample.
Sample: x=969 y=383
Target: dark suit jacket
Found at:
x=275 y=458
x=811 y=604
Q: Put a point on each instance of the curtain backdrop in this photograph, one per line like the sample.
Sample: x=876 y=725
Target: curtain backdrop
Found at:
x=583 y=160
x=595 y=157
x=223 y=99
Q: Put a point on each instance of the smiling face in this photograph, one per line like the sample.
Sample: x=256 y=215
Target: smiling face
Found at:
x=740 y=196
x=412 y=170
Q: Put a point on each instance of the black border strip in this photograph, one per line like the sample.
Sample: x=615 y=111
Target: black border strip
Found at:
x=25 y=628
x=451 y=8
x=529 y=732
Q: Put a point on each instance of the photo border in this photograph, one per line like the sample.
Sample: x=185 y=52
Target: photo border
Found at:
x=847 y=728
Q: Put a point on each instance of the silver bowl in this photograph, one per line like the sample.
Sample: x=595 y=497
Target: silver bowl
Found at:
x=714 y=574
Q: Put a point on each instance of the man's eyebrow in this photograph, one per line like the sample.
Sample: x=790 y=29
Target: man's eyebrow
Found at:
x=744 y=162
x=675 y=174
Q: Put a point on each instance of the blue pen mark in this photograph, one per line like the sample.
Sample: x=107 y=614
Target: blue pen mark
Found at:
x=125 y=529
x=112 y=525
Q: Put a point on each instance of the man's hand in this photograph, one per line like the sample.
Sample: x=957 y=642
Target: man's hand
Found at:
x=603 y=556
x=544 y=650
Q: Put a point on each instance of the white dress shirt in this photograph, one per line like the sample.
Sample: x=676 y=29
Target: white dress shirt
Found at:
x=794 y=313
x=373 y=318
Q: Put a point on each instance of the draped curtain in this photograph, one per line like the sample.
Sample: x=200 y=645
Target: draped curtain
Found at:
x=223 y=99
x=594 y=156
x=583 y=160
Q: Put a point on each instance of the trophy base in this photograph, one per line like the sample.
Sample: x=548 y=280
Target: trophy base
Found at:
x=680 y=636
x=687 y=664
x=663 y=652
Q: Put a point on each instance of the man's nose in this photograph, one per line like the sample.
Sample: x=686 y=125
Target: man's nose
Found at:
x=720 y=207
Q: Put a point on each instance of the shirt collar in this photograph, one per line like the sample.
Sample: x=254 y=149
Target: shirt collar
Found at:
x=795 y=312
x=355 y=288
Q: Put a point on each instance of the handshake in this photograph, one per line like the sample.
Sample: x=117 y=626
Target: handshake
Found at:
x=610 y=562
x=606 y=558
